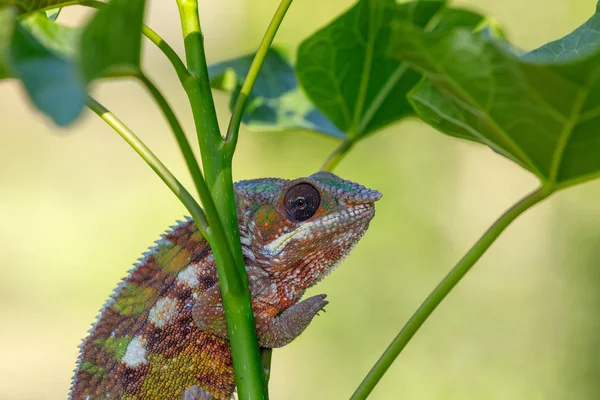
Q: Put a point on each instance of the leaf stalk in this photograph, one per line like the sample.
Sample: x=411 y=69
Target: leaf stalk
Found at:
x=443 y=289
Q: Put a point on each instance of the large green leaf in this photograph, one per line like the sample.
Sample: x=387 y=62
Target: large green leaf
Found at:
x=541 y=109
x=276 y=101
x=55 y=62
x=348 y=73
x=51 y=80
x=111 y=43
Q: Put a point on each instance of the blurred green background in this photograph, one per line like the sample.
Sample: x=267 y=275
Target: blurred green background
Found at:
x=78 y=207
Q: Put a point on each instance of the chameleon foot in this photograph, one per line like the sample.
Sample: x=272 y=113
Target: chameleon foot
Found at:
x=281 y=330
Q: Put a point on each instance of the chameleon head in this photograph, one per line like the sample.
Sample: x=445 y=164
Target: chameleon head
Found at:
x=299 y=230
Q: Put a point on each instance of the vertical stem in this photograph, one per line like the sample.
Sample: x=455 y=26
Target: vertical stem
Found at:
x=442 y=290
x=217 y=167
x=265 y=357
x=217 y=170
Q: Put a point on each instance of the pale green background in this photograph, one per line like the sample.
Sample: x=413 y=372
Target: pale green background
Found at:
x=77 y=207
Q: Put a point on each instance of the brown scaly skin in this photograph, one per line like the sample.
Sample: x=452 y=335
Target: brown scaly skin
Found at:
x=163 y=334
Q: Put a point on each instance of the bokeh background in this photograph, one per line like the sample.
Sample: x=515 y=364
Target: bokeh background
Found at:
x=78 y=207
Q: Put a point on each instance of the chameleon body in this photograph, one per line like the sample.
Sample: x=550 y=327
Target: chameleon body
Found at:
x=162 y=335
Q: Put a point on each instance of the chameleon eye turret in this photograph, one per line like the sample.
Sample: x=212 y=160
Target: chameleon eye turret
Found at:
x=162 y=335
x=302 y=201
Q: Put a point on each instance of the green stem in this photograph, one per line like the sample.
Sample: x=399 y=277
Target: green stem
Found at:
x=257 y=62
x=197 y=86
x=184 y=144
x=442 y=290
x=228 y=252
x=217 y=168
x=178 y=65
x=337 y=155
x=161 y=170
x=265 y=357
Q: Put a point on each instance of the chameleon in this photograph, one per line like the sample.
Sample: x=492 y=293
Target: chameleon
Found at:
x=163 y=334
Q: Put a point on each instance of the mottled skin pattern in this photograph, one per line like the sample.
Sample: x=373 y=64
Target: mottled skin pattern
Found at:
x=163 y=335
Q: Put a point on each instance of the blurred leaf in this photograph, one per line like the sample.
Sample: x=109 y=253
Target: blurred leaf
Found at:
x=60 y=38
x=28 y=6
x=111 y=43
x=541 y=110
x=349 y=75
x=276 y=101
x=53 y=13
x=7 y=23
x=52 y=81
x=451 y=18
x=44 y=54
x=582 y=42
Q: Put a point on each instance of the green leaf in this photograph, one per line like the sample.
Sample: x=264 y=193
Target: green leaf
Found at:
x=349 y=75
x=276 y=101
x=51 y=80
x=541 y=109
x=53 y=13
x=7 y=23
x=27 y=6
x=111 y=43
x=54 y=36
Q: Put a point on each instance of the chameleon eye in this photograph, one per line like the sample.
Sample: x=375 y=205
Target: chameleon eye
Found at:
x=302 y=201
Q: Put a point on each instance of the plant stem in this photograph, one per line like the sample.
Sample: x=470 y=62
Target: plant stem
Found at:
x=228 y=253
x=161 y=170
x=257 y=62
x=184 y=144
x=442 y=290
x=178 y=65
x=337 y=155
x=198 y=88
x=265 y=357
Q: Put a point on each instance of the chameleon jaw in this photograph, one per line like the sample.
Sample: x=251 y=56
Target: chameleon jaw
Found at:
x=276 y=246
x=348 y=217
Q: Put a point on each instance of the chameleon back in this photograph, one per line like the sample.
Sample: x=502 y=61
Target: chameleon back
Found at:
x=139 y=351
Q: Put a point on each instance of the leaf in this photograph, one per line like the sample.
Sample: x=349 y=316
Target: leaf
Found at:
x=53 y=13
x=541 y=109
x=47 y=57
x=111 y=43
x=28 y=6
x=7 y=22
x=52 y=81
x=276 y=101
x=347 y=72
x=54 y=36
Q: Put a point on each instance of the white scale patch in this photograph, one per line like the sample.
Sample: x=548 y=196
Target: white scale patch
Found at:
x=136 y=353
x=278 y=244
x=163 y=311
x=188 y=276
